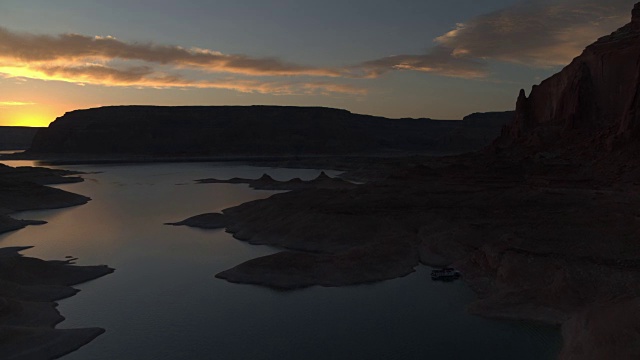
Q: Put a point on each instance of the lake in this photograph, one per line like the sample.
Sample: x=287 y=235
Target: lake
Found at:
x=163 y=301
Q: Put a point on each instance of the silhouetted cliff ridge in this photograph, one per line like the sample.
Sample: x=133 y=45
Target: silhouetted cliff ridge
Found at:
x=254 y=130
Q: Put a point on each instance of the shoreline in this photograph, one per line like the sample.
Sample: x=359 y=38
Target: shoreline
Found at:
x=30 y=287
x=487 y=226
x=337 y=161
x=414 y=204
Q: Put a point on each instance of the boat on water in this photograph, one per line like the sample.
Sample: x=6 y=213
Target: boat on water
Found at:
x=445 y=274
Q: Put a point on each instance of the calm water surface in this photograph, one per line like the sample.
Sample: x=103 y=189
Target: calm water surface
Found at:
x=163 y=301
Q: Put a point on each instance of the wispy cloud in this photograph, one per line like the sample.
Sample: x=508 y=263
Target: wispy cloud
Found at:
x=146 y=77
x=14 y=103
x=537 y=33
x=440 y=60
x=75 y=47
x=111 y=62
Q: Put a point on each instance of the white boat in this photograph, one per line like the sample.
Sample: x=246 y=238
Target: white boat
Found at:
x=445 y=274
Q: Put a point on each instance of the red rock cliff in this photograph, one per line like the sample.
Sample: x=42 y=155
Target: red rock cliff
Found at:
x=591 y=108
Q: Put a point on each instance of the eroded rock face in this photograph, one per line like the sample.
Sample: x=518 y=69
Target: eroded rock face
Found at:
x=591 y=108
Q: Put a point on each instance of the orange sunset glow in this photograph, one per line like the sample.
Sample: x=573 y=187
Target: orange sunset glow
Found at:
x=20 y=113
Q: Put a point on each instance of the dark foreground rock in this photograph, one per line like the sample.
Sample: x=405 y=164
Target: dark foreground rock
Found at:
x=359 y=265
x=29 y=288
x=604 y=331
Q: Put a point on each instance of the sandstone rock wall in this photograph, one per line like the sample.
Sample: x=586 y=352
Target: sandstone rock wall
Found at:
x=590 y=107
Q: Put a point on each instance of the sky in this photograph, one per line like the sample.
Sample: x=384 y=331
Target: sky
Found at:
x=403 y=58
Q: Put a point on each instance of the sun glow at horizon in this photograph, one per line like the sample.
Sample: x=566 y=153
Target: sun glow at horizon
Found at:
x=28 y=119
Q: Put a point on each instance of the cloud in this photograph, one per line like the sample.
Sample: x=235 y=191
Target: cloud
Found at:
x=536 y=33
x=440 y=60
x=14 y=103
x=30 y=48
x=147 y=77
x=108 y=61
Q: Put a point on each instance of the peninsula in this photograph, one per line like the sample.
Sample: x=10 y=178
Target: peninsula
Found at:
x=30 y=287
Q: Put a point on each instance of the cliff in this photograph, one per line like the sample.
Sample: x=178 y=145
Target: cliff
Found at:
x=589 y=110
x=251 y=130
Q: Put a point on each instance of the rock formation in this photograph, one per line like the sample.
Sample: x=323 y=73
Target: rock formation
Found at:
x=192 y=131
x=266 y=182
x=589 y=110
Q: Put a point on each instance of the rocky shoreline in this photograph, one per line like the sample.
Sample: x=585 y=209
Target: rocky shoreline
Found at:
x=531 y=248
x=30 y=287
